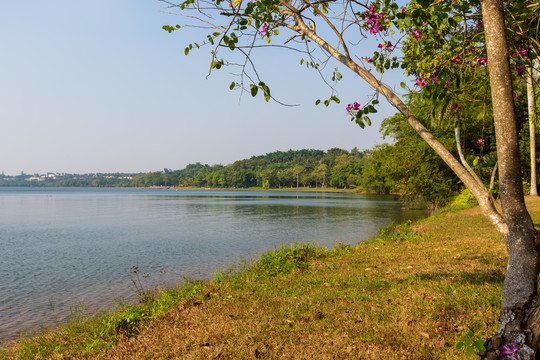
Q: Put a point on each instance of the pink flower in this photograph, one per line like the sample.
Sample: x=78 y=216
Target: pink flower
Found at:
x=403 y=10
x=480 y=61
x=510 y=350
x=375 y=20
x=368 y=60
x=456 y=59
x=422 y=82
x=514 y=95
x=416 y=34
x=433 y=78
x=262 y=30
x=481 y=142
x=387 y=46
x=455 y=107
x=447 y=83
x=353 y=108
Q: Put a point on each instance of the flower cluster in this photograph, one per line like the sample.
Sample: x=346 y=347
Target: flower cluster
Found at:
x=510 y=349
x=353 y=108
x=425 y=81
x=375 y=20
x=388 y=46
x=480 y=61
x=416 y=34
x=481 y=142
x=422 y=82
x=368 y=60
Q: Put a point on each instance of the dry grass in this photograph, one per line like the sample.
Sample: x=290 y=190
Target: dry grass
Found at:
x=411 y=294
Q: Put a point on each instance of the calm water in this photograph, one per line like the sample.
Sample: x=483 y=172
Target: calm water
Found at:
x=64 y=246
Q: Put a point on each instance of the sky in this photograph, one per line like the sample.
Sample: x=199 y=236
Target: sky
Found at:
x=99 y=86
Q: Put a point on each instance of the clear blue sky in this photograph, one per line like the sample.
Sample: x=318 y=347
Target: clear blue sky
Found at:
x=98 y=86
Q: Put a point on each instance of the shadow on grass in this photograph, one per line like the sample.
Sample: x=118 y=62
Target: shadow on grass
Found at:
x=473 y=277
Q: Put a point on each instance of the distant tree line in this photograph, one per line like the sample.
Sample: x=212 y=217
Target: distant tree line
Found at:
x=336 y=168
x=406 y=165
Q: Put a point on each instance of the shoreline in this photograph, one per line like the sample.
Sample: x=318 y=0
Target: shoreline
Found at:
x=407 y=269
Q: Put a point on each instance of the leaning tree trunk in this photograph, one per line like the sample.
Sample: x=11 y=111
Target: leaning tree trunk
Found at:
x=519 y=318
x=532 y=129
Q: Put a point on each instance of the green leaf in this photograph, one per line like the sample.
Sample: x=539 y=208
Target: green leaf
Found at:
x=475 y=161
x=375 y=102
x=403 y=85
x=479 y=344
x=233 y=84
x=317 y=102
x=266 y=91
x=367 y=120
x=407 y=21
x=459 y=345
x=186 y=51
x=254 y=90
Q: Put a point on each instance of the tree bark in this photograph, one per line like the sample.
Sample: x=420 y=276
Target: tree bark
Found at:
x=493 y=174
x=520 y=284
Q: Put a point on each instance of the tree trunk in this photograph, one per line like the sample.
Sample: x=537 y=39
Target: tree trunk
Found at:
x=457 y=133
x=518 y=322
x=532 y=129
x=493 y=175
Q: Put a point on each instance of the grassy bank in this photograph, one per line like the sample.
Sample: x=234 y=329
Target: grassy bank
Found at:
x=413 y=292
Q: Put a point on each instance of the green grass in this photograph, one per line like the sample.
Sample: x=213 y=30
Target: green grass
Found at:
x=413 y=292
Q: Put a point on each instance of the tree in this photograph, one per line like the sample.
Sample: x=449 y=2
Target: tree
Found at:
x=320 y=172
x=337 y=27
x=297 y=170
x=532 y=129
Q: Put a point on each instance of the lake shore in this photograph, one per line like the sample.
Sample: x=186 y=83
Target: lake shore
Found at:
x=413 y=292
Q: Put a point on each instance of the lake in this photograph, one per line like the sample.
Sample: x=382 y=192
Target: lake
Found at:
x=63 y=246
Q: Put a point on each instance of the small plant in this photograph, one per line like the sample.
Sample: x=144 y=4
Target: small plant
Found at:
x=464 y=200
x=286 y=259
x=144 y=294
x=471 y=343
x=394 y=233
